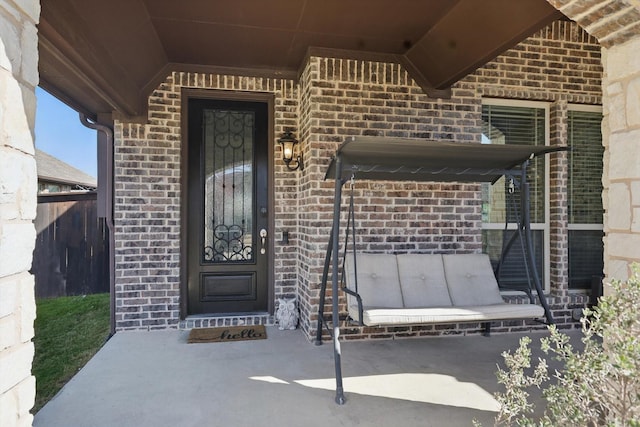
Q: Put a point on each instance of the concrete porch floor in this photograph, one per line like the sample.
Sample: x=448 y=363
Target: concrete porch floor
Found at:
x=157 y=379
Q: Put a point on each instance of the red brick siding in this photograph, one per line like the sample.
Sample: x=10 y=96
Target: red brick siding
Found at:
x=333 y=99
x=559 y=64
x=147 y=214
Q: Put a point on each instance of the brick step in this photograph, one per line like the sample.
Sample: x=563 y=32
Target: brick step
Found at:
x=217 y=321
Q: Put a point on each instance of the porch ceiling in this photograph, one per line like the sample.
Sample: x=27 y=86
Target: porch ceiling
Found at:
x=107 y=56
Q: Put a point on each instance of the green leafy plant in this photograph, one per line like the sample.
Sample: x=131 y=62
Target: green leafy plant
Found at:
x=598 y=385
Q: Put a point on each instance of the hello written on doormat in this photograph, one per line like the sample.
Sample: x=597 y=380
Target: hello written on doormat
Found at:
x=227 y=333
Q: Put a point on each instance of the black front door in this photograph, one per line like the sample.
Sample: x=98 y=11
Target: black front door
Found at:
x=227 y=206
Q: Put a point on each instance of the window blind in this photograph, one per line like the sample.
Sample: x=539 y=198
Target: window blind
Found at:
x=585 y=198
x=506 y=124
x=519 y=126
x=585 y=168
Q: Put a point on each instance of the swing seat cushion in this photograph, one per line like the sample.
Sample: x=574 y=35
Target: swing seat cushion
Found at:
x=378 y=281
x=471 y=280
x=422 y=281
x=428 y=289
x=434 y=315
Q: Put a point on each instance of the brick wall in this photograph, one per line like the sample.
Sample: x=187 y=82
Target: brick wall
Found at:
x=616 y=25
x=558 y=199
x=351 y=97
x=335 y=98
x=559 y=65
x=147 y=212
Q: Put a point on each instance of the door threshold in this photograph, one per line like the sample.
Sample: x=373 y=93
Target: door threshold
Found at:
x=231 y=319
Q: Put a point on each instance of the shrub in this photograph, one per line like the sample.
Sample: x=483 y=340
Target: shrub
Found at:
x=596 y=386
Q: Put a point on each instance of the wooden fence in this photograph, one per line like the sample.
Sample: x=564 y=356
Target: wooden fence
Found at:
x=71 y=254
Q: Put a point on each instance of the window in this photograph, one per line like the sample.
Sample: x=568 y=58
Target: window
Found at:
x=522 y=123
x=585 y=196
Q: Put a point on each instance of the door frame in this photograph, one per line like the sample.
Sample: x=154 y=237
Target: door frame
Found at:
x=224 y=95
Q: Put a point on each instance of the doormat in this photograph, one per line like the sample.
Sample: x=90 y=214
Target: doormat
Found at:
x=227 y=333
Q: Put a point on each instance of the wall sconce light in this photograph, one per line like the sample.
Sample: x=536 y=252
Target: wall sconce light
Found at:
x=288 y=142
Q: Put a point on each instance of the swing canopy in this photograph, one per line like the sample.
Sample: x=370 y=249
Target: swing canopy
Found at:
x=403 y=159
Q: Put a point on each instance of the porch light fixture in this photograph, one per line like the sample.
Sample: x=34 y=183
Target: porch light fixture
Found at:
x=288 y=142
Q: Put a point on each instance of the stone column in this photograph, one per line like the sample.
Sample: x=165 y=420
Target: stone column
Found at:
x=621 y=138
x=18 y=188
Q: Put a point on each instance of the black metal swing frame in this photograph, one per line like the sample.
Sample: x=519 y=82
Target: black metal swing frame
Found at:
x=400 y=159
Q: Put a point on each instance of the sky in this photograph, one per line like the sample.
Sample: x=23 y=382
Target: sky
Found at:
x=60 y=133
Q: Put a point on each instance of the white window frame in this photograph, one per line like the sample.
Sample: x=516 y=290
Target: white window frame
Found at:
x=545 y=227
x=584 y=227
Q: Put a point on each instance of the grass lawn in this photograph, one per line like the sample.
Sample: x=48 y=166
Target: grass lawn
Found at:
x=68 y=332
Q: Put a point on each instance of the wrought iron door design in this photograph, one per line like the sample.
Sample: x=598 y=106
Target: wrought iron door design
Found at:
x=227 y=230
x=228 y=185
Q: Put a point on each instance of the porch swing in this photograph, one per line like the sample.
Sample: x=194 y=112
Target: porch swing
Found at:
x=418 y=289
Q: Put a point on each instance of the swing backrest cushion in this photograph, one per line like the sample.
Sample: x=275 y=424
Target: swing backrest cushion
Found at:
x=378 y=281
x=471 y=280
x=422 y=280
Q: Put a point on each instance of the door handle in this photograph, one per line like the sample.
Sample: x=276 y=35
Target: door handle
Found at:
x=263 y=240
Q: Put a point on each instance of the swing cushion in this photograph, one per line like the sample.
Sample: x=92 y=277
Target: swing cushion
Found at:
x=471 y=280
x=378 y=281
x=435 y=315
x=423 y=281
x=428 y=289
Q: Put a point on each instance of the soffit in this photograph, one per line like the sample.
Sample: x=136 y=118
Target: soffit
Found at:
x=104 y=56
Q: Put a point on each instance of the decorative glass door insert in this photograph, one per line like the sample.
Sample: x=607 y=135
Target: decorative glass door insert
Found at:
x=228 y=189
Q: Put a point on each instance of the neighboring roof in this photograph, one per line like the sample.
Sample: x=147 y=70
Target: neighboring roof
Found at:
x=403 y=159
x=55 y=170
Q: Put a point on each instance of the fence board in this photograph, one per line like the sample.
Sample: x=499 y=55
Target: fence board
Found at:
x=71 y=253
